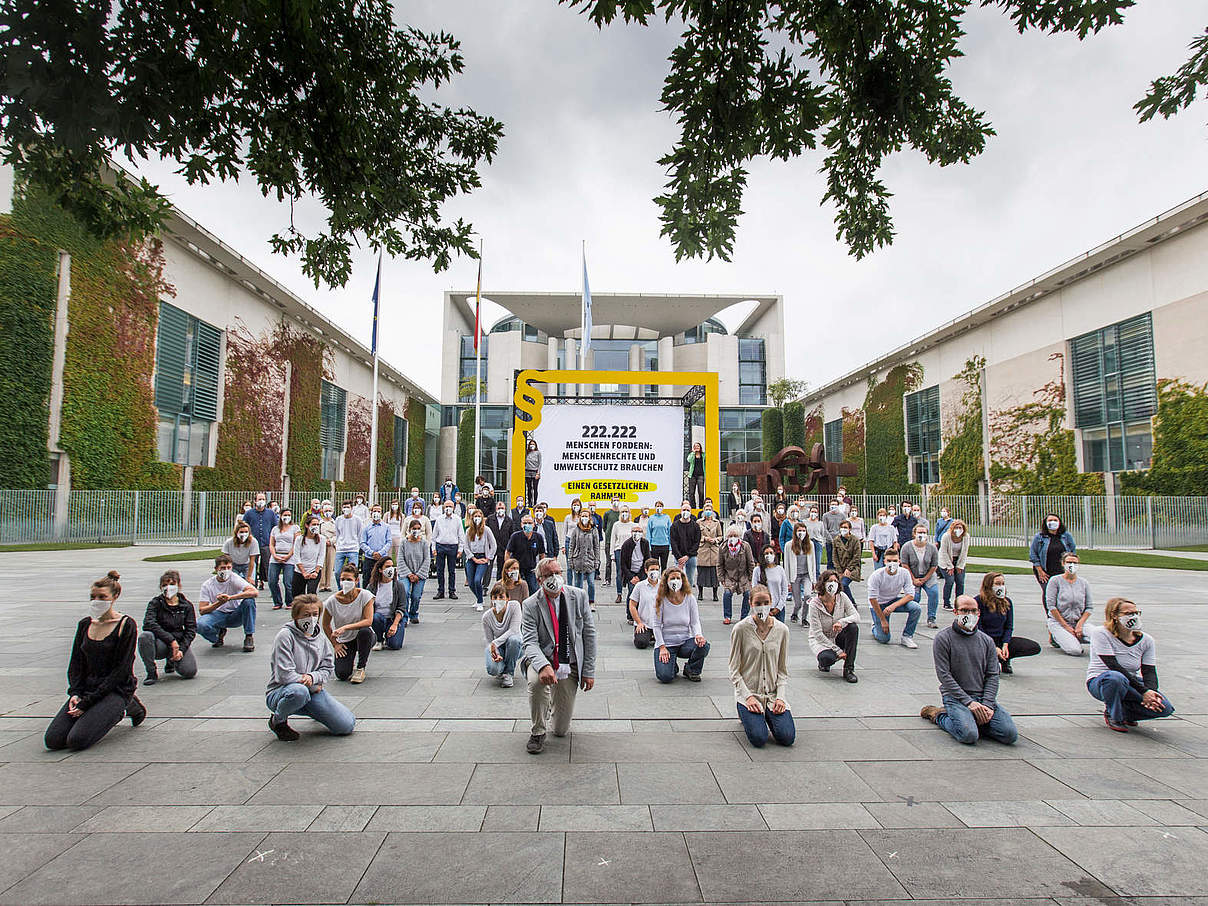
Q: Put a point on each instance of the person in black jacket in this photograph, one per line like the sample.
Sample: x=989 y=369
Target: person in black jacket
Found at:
x=526 y=547
x=502 y=528
x=631 y=564
x=756 y=536
x=685 y=541
x=169 y=627
x=100 y=674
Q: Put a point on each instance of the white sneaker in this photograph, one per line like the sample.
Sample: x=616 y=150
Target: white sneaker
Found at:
x=506 y=681
x=358 y=675
x=478 y=607
x=377 y=646
x=908 y=642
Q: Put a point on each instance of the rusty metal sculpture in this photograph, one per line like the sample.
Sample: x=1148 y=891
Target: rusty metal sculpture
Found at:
x=796 y=472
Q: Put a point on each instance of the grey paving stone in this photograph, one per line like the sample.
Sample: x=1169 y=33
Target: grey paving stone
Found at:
x=1187 y=775
x=822 y=781
x=597 y=818
x=908 y=813
x=803 y=860
x=940 y=862
x=1159 y=862
x=1104 y=778
x=58 y=784
x=187 y=784
x=343 y=818
x=539 y=783
x=428 y=818
x=836 y=745
x=434 y=868
x=473 y=747
x=142 y=818
x=301 y=868
x=1102 y=812
x=382 y=747
x=1019 y=813
x=512 y=818
x=628 y=868
x=816 y=815
x=170 y=742
x=681 y=784
x=263 y=818
x=166 y=865
x=942 y=782
x=366 y=784
x=1100 y=742
x=697 y=817
x=639 y=707
x=628 y=748
x=47 y=819
x=1166 y=812
x=933 y=742
x=26 y=853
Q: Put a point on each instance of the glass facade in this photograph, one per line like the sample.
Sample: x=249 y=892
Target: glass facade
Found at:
x=467 y=366
x=493 y=443
x=333 y=413
x=752 y=371
x=741 y=441
x=611 y=355
x=832 y=440
x=529 y=333
x=923 y=434
x=700 y=333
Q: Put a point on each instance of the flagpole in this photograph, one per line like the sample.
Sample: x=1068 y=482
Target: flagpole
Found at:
x=478 y=365
x=373 y=417
x=583 y=319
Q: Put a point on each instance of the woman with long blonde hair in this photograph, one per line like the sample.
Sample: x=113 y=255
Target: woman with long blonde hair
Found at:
x=1123 y=669
x=479 y=550
x=677 y=631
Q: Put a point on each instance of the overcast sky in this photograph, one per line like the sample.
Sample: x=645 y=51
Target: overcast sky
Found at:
x=1070 y=168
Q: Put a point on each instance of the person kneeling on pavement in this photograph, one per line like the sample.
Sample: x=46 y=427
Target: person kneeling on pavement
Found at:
x=302 y=664
x=501 y=629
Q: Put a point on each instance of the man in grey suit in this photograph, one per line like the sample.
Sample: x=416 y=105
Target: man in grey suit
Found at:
x=559 y=634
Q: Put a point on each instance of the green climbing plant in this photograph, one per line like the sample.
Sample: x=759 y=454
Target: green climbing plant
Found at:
x=1180 y=444
x=813 y=429
x=772 y=425
x=854 y=450
x=465 y=449
x=961 y=463
x=416 y=423
x=885 y=429
x=794 y=425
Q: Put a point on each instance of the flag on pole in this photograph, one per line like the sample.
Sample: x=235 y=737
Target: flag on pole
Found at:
x=478 y=302
x=377 y=289
x=586 y=344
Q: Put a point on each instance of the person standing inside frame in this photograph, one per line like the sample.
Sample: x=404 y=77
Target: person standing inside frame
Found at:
x=695 y=469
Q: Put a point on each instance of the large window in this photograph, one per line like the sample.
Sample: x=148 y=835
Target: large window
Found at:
x=1115 y=394
x=528 y=333
x=467 y=368
x=400 y=451
x=611 y=355
x=832 y=440
x=741 y=441
x=333 y=413
x=700 y=333
x=752 y=371
x=493 y=442
x=188 y=368
x=923 y=435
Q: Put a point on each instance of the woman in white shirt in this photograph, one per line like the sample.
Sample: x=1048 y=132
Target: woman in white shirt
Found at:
x=677 y=633
x=618 y=534
x=389 y=605
x=348 y=623
x=799 y=568
x=834 y=626
x=394 y=519
x=243 y=549
x=759 y=669
x=1123 y=670
x=501 y=629
x=312 y=547
x=283 y=557
x=954 y=551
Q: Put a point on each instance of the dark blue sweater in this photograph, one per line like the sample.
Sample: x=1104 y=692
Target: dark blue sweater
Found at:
x=998 y=626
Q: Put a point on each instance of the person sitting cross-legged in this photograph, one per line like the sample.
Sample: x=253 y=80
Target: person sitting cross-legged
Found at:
x=966 y=663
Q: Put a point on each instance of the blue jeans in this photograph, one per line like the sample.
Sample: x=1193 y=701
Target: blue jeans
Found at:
x=208 y=624
x=1122 y=700
x=511 y=648
x=690 y=571
x=530 y=579
x=446 y=561
x=830 y=556
x=727 y=596
x=817 y=559
x=952 y=577
x=381 y=622
x=241 y=570
x=342 y=557
x=277 y=571
x=586 y=581
x=295 y=698
x=932 y=589
x=958 y=722
x=845 y=582
x=758 y=726
x=688 y=649
x=620 y=573
x=913 y=612
x=414 y=592
x=477 y=573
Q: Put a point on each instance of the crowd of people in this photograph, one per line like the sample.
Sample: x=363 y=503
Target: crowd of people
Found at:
x=534 y=582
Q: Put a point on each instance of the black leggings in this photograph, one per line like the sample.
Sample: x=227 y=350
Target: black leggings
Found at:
x=358 y=648
x=76 y=733
x=847 y=639
x=304 y=586
x=530 y=491
x=1021 y=647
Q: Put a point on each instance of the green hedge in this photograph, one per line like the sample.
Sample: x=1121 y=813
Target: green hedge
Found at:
x=417 y=416
x=794 y=425
x=885 y=430
x=772 y=423
x=465 y=451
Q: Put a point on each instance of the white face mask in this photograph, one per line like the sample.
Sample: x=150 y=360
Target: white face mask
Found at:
x=687 y=514
x=415 y=533
x=388 y=572
x=637 y=537
x=501 y=513
x=375 y=516
x=734 y=542
x=915 y=513
x=347 y=511
x=653 y=576
x=920 y=539
x=675 y=584
x=943 y=514
x=832 y=587
x=769 y=558
x=1072 y=568
x=884 y=520
x=763 y=611
x=170 y=590
x=308 y=625
x=223 y=574
x=585 y=520
x=967 y=621
x=448 y=511
x=347 y=585
x=477 y=520
x=957 y=532
x=287 y=519
x=1130 y=622
x=1053 y=525
x=801 y=536
x=1000 y=591
x=394 y=506
x=892 y=566
x=514 y=575
x=552 y=583
x=756 y=525
x=242 y=536
x=499 y=603
x=813 y=515
x=844 y=532
x=625 y=516
x=259 y=504
x=97 y=608
x=314 y=530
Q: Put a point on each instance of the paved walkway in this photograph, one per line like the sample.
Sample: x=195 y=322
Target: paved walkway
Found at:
x=655 y=796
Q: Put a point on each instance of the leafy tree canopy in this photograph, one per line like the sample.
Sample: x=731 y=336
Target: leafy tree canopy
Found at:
x=312 y=97
x=862 y=78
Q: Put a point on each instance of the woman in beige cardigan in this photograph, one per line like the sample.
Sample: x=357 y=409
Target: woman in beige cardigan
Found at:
x=954 y=551
x=759 y=669
x=709 y=552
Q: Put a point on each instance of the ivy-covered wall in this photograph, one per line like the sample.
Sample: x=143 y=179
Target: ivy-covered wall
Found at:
x=794 y=425
x=854 y=450
x=465 y=451
x=885 y=429
x=1180 y=444
x=962 y=465
x=772 y=437
x=416 y=436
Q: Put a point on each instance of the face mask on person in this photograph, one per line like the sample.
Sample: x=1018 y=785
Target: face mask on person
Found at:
x=892 y=566
x=967 y=621
x=844 y=532
x=417 y=512
x=308 y=625
x=513 y=575
x=314 y=530
x=613 y=504
x=347 y=510
x=499 y=604
x=170 y=590
x=415 y=533
x=242 y=536
x=552 y=583
x=801 y=536
x=832 y=587
x=259 y=504
x=920 y=539
x=1072 y=568
x=943 y=514
x=706 y=514
x=528 y=528
x=884 y=520
x=541 y=515
x=98 y=607
x=457 y=498
x=360 y=500
x=327 y=511
x=394 y=506
x=376 y=516
x=222 y=575
x=813 y=514
x=658 y=509
x=958 y=532
x=1053 y=525
x=388 y=572
x=653 y=576
x=287 y=519
x=585 y=519
x=574 y=507
x=892 y=513
x=478 y=520
x=756 y=525
x=500 y=512
x=779 y=512
x=675 y=584
x=686 y=515
x=247 y=507
x=916 y=513
x=734 y=543
x=769 y=558
x=1130 y=622
x=1000 y=591
x=347 y=585
x=637 y=537
x=448 y=511
x=762 y=611
x=624 y=515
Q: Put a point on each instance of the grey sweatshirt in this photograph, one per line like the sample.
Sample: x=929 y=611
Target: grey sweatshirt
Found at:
x=967 y=665
x=532 y=464
x=414 y=557
x=294 y=655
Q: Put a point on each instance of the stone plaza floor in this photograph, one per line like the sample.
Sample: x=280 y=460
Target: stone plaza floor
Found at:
x=655 y=797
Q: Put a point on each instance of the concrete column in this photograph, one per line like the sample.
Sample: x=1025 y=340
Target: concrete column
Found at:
x=285 y=427
x=635 y=364
x=570 y=352
x=7 y=178
x=186 y=503
x=551 y=354
x=667 y=361
x=59 y=352
x=62 y=510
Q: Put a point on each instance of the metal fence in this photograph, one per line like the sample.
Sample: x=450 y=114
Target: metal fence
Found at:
x=199 y=518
